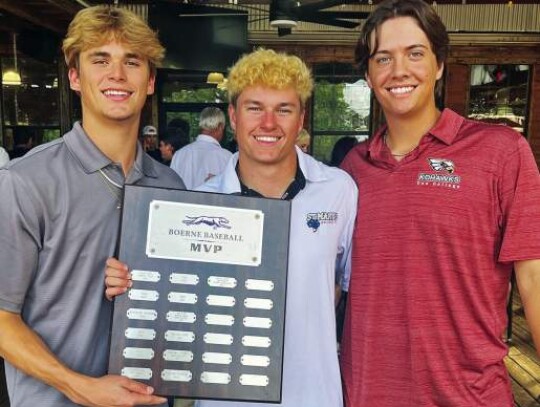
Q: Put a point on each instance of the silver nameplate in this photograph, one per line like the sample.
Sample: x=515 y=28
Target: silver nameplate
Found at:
x=179 y=336
x=145 y=275
x=170 y=375
x=222 y=282
x=187 y=279
x=258 y=303
x=142 y=314
x=204 y=233
x=182 y=298
x=215 y=378
x=217 y=358
x=179 y=316
x=218 y=319
x=178 y=355
x=137 y=373
x=140 y=333
x=255 y=360
x=218 y=339
x=220 y=300
x=260 y=285
x=138 y=353
x=255 y=322
x=143 y=295
x=256 y=341
x=254 y=380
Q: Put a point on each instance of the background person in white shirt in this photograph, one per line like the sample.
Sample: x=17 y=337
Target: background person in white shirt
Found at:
x=204 y=158
x=4 y=157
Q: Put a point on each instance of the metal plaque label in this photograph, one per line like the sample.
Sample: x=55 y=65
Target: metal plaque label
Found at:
x=145 y=275
x=258 y=303
x=255 y=360
x=218 y=319
x=179 y=316
x=170 y=375
x=222 y=282
x=254 y=380
x=137 y=373
x=220 y=300
x=138 y=353
x=260 y=285
x=217 y=358
x=182 y=298
x=187 y=279
x=204 y=233
x=178 y=355
x=140 y=333
x=218 y=339
x=215 y=378
x=143 y=295
x=256 y=341
x=179 y=336
x=255 y=322
x=142 y=314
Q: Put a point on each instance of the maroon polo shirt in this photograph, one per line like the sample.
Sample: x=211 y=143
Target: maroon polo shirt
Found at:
x=434 y=242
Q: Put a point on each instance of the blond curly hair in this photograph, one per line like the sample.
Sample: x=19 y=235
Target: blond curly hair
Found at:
x=271 y=69
x=95 y=26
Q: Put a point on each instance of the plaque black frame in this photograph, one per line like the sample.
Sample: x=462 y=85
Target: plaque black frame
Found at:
x=274 y=261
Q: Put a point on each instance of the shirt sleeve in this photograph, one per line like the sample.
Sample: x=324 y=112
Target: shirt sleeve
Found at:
x=519 y=199
x=344 y=261
x=19 y=240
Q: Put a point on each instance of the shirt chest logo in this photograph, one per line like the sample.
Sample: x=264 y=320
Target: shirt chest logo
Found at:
x=314 y=220
x=442 y=174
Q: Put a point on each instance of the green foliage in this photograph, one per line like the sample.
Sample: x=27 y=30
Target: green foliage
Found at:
x=331 y=111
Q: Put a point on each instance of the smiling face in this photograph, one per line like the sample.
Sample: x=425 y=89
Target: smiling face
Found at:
x=266 y=122
x=404 y=70
x=113 y=82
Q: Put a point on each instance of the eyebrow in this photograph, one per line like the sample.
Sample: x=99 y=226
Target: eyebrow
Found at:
x=410 y=47
x=104 y=54
x=256 y=102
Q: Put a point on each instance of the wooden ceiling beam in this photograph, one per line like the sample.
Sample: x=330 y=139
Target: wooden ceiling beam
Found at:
x=67 y=6
x=20 y=12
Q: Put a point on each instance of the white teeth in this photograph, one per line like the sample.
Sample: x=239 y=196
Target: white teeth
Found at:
x=402 y=90
x=111 y=92
x=267 y=139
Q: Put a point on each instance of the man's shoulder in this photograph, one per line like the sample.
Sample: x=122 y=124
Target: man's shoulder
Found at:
x=31 y=163
x=165 y=177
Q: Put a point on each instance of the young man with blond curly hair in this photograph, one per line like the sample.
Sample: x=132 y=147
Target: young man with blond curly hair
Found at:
x=267 y=93
x=59 y=217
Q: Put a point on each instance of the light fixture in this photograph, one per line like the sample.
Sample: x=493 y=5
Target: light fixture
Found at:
x=283 y=23
x=215 y=78
x=12 y=77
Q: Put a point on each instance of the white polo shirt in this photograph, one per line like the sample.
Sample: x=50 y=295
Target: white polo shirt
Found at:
x=200 y=160
x=322 y=220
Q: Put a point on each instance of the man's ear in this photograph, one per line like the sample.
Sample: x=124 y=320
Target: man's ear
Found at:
x=368 y=80
x=232 y=116
x=440 y=71
x=74 y=79
x=151 y=84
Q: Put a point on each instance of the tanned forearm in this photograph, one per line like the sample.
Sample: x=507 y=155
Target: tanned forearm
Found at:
x=528 y=281
x=25 y=350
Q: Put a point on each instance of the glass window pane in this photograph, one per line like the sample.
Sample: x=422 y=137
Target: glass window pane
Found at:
x=34 y=101
x=341 y=106
x=178 y=92
x=499 y=94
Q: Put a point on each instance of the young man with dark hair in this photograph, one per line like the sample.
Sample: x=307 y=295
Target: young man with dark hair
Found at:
x=448 y=207
x=59 y=219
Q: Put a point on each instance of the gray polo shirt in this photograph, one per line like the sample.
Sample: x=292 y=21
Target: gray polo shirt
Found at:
x=59 y=218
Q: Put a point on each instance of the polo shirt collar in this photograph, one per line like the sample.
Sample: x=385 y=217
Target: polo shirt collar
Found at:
x=92 y=159
x=208 y=139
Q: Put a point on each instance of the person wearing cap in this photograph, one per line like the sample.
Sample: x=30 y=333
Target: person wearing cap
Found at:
x=150 y=142
x=60 y=211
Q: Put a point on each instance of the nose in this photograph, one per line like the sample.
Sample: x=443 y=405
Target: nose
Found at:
x=117 y=71
x=400 y=67
x=268 y=120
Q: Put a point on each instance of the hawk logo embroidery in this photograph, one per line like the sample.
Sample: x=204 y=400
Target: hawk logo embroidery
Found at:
x=214 y=221
x=439 y=164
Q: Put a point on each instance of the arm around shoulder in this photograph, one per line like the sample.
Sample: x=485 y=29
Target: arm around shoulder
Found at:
x=528 y=281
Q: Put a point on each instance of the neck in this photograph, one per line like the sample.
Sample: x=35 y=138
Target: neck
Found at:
x=117 y=140
x=405 y=133
x=271 y=181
